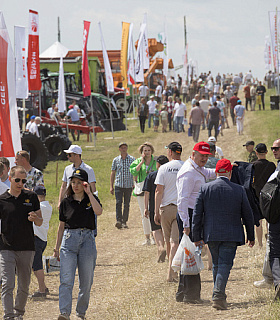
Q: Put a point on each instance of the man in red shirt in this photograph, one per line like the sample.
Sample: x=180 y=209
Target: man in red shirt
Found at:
x=233 y=102
x=247 y=93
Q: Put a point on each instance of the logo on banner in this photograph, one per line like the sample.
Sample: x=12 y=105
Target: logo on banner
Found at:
x=34 y=25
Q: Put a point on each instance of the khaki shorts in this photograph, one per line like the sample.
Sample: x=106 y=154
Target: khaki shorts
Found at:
x=169 y=223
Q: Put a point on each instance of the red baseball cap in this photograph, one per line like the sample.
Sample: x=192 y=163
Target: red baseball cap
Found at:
x=223 y=166
x=202 y=147
x=71 y=107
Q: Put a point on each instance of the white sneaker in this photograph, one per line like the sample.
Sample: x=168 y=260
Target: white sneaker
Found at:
x=153 y=241
x=262 y=284
x=147 y=242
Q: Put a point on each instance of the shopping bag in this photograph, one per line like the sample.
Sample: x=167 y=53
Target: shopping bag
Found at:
x=177 y=260
x=191 y=260
x=138 y=188
x=51 y=264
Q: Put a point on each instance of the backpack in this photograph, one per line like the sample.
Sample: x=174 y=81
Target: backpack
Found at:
x=270 y=200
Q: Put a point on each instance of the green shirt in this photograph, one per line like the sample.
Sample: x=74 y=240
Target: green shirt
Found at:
x=252 y=157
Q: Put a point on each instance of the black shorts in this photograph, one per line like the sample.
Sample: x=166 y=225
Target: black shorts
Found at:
x=40 y=247
x=154 y=226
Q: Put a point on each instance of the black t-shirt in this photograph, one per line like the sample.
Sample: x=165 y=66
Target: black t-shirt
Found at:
x=150 y=186
x=17 y=230
x=263 y=170
x=261 y=90
x=214 y=113
x=77 y=214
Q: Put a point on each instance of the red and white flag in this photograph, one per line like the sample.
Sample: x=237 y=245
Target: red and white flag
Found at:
x=139 y=61
x=108 y=70
x=130 y=58
x=21 y=65
x=34 y=78
x=85 y=71
x=10 y=141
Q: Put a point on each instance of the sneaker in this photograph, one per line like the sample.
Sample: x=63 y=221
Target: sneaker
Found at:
x=38 y=294
x=124 y=225
x=118 y=225
x=220 y=304
x=277 y=293
x=263 y=284
x=153 y=241
x=147 y=242
x=63 y=316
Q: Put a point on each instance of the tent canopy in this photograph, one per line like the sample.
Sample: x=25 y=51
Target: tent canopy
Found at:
x=55 y=51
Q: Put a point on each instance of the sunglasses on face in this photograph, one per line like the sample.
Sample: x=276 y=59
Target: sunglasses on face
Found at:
x=69 y=155
x=17 y=180
x=275 y=148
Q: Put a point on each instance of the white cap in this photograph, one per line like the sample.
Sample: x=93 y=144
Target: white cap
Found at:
x=212 y=139
x=74 y=149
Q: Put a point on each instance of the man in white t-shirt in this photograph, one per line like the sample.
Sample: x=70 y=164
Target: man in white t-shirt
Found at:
x=204 y=105
x=32 y=119
x=166 y=203
x=152 y=107
x=180 y=111
x=143 y=91
x=158 y=93
x=74 y=154
x=34 y=127
x=218 y=149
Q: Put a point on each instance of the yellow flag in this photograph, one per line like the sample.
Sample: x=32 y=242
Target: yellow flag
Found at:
x=125 y=34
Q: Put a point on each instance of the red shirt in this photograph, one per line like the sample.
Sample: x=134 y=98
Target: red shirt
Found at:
x=246 y=90
x=233 y=101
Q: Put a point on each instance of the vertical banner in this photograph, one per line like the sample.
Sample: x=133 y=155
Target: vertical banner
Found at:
x=139 y=63
x=21 y=65
x=165 y=52
x=85 y=71
x=34 y=79
x=124 y=49
x=61 y=101
x=274 y=21
x=267 y=53
x=130 y=58
x=10 y=141
x=108 y=71
x=145 y=47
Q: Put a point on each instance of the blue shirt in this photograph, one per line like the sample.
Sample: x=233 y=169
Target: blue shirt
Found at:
x=239 y=110
x=73 y=114
x=124 y=178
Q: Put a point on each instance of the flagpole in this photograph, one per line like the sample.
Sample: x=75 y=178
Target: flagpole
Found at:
x=133 y=100
x=40 y=105
x=23 y=115
x=93 y=122
x=125 y=109
x=110 y=111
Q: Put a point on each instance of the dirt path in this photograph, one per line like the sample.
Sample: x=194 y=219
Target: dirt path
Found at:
x=130 y=284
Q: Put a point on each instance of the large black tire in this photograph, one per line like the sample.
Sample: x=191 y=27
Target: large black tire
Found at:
x=46 y=129
x=37 y=150
x=123 y=104
x=55 y=144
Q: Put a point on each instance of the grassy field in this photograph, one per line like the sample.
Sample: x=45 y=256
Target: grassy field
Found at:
x=128 y=282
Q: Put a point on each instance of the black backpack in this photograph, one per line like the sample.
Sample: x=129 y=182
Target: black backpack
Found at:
x=270 y=200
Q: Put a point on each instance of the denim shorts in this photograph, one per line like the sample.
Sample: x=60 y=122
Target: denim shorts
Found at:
x=40 y=247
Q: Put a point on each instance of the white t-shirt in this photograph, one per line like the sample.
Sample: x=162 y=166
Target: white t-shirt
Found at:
x=204 y=105
x=28 y=125
x=34 y=129
x=166 y=176
x=221 y=106
x=143 y=91
x=152 y=106
x=179 y=109
x=42 y=231
x=220 y=152
x=158 y=92
x=68 y=171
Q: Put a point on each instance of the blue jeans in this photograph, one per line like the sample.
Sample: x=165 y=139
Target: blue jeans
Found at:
x=122 y=195
x=77 y=250
x=151 y=116
x=179 y=124
x=223 y=253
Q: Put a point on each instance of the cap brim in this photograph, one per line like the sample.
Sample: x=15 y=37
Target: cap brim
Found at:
x=78 y=177
x=204 y=152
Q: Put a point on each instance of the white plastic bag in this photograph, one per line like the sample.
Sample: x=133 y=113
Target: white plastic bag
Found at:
x=177 y=260
x=191 y=261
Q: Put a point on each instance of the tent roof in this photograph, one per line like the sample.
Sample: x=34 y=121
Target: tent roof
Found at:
x=55 y=51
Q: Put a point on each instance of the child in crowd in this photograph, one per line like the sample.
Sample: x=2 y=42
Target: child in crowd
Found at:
x=156 y=119
x=164 y=118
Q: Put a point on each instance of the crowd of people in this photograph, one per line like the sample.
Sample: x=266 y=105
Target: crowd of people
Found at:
x=212 y=101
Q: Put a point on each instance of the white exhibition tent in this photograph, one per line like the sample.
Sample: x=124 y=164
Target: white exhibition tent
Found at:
x=56 y=50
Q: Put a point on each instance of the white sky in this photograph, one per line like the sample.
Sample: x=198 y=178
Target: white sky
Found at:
x=223 y=35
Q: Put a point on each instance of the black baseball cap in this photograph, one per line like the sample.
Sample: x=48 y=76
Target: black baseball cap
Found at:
x=162 y=159
x=175 y=147
x=80 y=174
x=249 y=143
x=40 y=190
x=261 y=148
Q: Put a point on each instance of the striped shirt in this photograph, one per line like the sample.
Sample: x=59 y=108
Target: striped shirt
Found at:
x=124 y=178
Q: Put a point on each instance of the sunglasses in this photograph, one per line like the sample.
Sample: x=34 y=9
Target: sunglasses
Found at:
x=275 y=148
x=17 y=180
x=69 y=155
